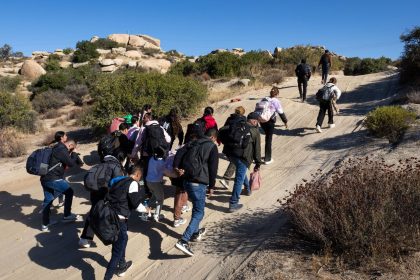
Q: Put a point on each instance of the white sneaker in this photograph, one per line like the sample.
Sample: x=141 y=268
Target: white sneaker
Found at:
x=71 y=218
x=318 y=129
x=224 y=183
x=331 y=125
x=179 y=222
x=268 y=162
x=156 y=217
x=185 y=209
x=84 y=243
x=47 y=227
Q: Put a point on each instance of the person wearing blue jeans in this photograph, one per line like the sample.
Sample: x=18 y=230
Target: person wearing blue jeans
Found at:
x=118 y=251
x=240 y=179
x=197 y=195
x=53 y=189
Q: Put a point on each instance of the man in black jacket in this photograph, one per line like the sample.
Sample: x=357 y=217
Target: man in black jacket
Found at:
x=303 y=74
x=197 y=179
x=124 y=196
x=54 y=184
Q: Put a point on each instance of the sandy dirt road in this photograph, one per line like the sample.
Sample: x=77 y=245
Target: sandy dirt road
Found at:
x=28 y=253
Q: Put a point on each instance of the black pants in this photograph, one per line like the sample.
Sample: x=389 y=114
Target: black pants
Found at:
x=325 y=71
x=325 y=106
x=87 y=230
x=145 y=162
x=268 y=128
x=302 y=85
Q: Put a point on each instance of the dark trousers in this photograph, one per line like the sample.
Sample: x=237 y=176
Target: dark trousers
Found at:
x=230 y=171
x=47 y=208
x=325 y=71
x=268 y=128
x=302 y=85
x=118 y=251
x=325 y=106
x=145 y=162
x=87 y=232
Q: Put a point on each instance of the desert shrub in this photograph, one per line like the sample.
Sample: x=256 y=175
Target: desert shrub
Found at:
x=272 y=76
x=85 y=51
x=410 y=60
x=174 y=53
x=48 y=100
x=219 y=65
x=363 y=210
x=52 y=63
x=52 y=114
x=118 y=93
x=150 y=51
x=5 y=52
x=253 y=63
x=357 y=66
x=76 y=92
x=11 y=143
x=15 y=110
x=390 y=122
x=105 y=44
x=184 y=68
x=414 y=96
x=9 y=84
x=67 y=50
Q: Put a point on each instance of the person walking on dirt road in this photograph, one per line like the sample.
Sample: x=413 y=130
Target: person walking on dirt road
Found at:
x=326 y=63
x=303 y=74
x=330 y=93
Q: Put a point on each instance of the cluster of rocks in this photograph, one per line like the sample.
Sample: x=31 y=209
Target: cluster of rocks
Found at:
x=237 y=51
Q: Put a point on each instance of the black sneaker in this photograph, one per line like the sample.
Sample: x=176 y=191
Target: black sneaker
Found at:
x=184 y=247
x=198 y=235
x=235 y=207
x=122 y=270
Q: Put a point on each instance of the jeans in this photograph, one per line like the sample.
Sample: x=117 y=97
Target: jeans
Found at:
x=118 y=251
x=240 y=179
x=268 y=128
x=325 y=71
x=197 y=194
x=325 y=106
x=87 y=232
x=302 y=85
x=53 y=189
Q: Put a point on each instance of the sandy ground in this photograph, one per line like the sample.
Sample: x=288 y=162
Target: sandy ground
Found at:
x=28 y=253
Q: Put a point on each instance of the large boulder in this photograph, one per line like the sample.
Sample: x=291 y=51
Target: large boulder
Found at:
x=110 y=68
x=133 y=54
x=101 y=51
x=77 y=65
x=160 y=65
x=65 y=64
x=119 y=50
x=137 y=41
x=132 y=64
x=40 y=53
x=31 y=70
x=94 y=39
x=107 y=62
x=118 y=61
x=219 y=51
x=119 y=38
x=151 y=40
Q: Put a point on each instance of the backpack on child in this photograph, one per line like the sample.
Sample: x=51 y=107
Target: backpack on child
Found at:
x=109 y=143
x=263 y=109
x=154 y=140
x=193 y=159
x=235 y=136
x=98 y=176
x=325 y=93
x=38 y=162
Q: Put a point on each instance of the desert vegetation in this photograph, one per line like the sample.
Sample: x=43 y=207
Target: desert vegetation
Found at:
x=390 y=122
x=363 y=212
x=359 y=66
x=410 y=60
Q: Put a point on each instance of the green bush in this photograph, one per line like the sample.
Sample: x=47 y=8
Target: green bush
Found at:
x=48 y=100
x=15 y=110
x=105 y=44
x=120 y=93
x=390 y=122
x=52 y=63
x=150 y=51
x=357 y=66
x=362 y=211
x=85 y=51
x=219 y=65
x=184 y=68
x=9 y=84
x=52 y=80
x=76 y=93
x=67 y=50
x=410 y=60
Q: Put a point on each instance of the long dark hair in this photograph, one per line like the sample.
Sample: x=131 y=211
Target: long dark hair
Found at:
x=208 y=111
x=175 y=122
x=57 y=137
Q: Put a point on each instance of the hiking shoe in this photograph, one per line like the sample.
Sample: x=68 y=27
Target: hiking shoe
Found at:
x=156 y=218
x=318 y=129
x=198 y=235
x=184 y=247
x=84 y=243
x=70 y=218
x=331 y=125
x=224 y=183
x=268 y=161
x=60 y=204
x=144 y=217
x=47 y=227
x=179 y=222
x=235 y=207
x=185 y=209
x=122 y=270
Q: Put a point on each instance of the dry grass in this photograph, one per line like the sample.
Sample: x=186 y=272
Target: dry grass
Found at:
x=364 y=211
x=48 y=138
x=414 y=96
x=52 y=114
x=59 y=122
x=11 y=143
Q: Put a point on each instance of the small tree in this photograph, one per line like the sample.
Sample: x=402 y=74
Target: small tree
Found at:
x=85 y=51
x=5 y=52
x=410 y=61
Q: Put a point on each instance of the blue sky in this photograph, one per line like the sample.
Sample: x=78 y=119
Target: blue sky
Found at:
x=355 y=28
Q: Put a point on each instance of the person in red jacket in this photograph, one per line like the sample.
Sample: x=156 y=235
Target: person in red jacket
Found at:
x=208 y=119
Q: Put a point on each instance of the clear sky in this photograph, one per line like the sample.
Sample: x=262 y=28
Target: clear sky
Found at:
x=351 y=28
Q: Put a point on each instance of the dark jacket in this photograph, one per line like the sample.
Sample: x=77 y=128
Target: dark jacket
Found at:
x=303 y=71
x=325 y=61
x=210 y=156
x=253 y=151
x=122 y=199
x=166 y=123
x=233 y=117
x=228 y=150
x=60 y=154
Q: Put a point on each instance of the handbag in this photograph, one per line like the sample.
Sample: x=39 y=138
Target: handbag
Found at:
x=255 y=180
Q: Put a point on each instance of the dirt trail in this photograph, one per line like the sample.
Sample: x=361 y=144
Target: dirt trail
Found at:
x=28 y=253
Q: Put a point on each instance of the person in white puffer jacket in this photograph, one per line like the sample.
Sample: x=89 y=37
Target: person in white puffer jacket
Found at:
x=331 y=94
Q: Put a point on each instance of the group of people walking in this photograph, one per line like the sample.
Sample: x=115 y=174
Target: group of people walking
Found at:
x=137 y=156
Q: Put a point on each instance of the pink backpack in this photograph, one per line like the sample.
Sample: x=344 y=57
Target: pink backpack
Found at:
x=263 y=109
x=115 y=125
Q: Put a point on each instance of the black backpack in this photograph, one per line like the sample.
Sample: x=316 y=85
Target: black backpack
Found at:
x=199 y=124
x=108 y=144
x=324 y=93
x=194 y=157
x=38 y=162
x=104 y=222
x=236 y=134
x=99 y=176
x=154 y=140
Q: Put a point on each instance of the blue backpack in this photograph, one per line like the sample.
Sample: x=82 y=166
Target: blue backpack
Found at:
x=38 y=162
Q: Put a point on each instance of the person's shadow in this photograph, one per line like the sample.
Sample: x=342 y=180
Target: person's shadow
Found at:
x=58 y=249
